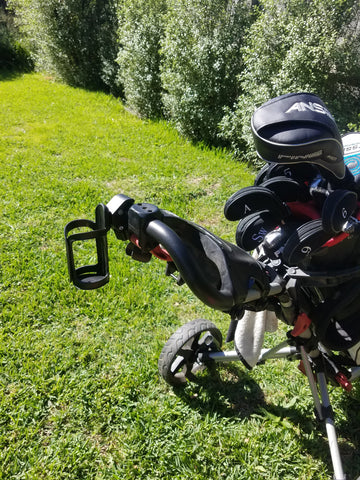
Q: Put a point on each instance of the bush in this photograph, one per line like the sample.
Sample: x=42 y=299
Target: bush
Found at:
x=307 y=46
x=76 y=39
x=141 y=29
x=200 y=62
x=13 y=55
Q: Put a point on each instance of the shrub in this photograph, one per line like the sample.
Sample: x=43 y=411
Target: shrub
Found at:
x=141 y=29
x=200 y=61
x=303 y=46
x=13 y=55
x=74 y=38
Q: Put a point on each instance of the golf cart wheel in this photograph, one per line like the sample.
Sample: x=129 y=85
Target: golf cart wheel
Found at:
x=186 y=351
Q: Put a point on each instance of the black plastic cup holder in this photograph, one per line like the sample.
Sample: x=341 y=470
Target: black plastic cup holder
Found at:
x=89 y=277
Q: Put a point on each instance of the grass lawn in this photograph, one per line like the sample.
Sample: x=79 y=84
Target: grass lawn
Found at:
x=80 y=394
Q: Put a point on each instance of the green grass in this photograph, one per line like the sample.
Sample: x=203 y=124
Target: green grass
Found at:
x=80 y=394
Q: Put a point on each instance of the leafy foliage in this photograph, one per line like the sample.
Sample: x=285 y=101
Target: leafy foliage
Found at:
x=202 y=65
x=201 y=59
x=299 y=46
x=74 y=38
x=13 y=55
x=141 y=29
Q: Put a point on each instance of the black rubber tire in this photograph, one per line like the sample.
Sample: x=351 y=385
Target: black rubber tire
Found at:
x=181 y=356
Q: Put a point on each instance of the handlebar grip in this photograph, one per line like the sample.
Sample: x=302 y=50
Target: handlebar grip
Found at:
x=189 y=268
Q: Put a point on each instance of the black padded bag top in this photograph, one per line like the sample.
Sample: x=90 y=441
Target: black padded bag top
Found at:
x=297 y=128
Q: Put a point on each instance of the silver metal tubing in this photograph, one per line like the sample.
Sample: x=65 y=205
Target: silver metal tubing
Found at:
x=255 y=294
x=312 y=382
x=330 y=429
x=229 y=356
x=283 y=350
x=280 y=351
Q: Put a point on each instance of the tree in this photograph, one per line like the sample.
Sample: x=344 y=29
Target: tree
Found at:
x=201 y=58
x=13 y=54
x=298 y=45
x=140 y=33
x=76 y=39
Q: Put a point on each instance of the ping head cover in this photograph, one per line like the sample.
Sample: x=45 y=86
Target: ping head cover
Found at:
x=337 y=209
x=252 y=229
x=304 y=242
x=254 y=199
x=298 y=128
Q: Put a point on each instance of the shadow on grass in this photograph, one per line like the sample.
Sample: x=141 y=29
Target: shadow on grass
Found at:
x=313 y=433
x=313 y=438
x=348 y=428
x=10 y=74
x=231 y=392
x=226 y=390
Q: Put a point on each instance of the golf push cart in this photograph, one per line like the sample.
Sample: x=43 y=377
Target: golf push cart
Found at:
x=300 y=221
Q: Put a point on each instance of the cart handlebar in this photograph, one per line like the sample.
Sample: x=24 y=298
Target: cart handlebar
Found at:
x=220 y=274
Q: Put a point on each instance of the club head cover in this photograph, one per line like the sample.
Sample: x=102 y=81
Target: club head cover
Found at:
x=304 y=242
x=337 y=209
x=298 y=128
x=252 y=229
x=287 y=189
x=254 y=199
x=262 y=174
x=301 y=172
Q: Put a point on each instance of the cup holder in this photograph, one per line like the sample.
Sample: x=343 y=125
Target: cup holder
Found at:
x=89 y=239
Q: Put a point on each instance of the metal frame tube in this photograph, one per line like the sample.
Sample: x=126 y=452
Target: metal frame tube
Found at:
x=324 y=410
x=330 y=429
x=312 y=383
x=283 y=350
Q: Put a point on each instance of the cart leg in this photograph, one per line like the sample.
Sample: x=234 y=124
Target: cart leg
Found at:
x=325 y=413
x=330 y=429
x=312 y=382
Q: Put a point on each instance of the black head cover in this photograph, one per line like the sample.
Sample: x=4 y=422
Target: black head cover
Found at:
x=301 y=172
x=297 y=128
x=252 y=229
x=337 y=209
x=254 y=199
x=287 y=189
x=304 y=242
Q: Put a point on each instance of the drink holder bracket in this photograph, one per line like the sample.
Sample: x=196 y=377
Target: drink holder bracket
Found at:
x=89 y=277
